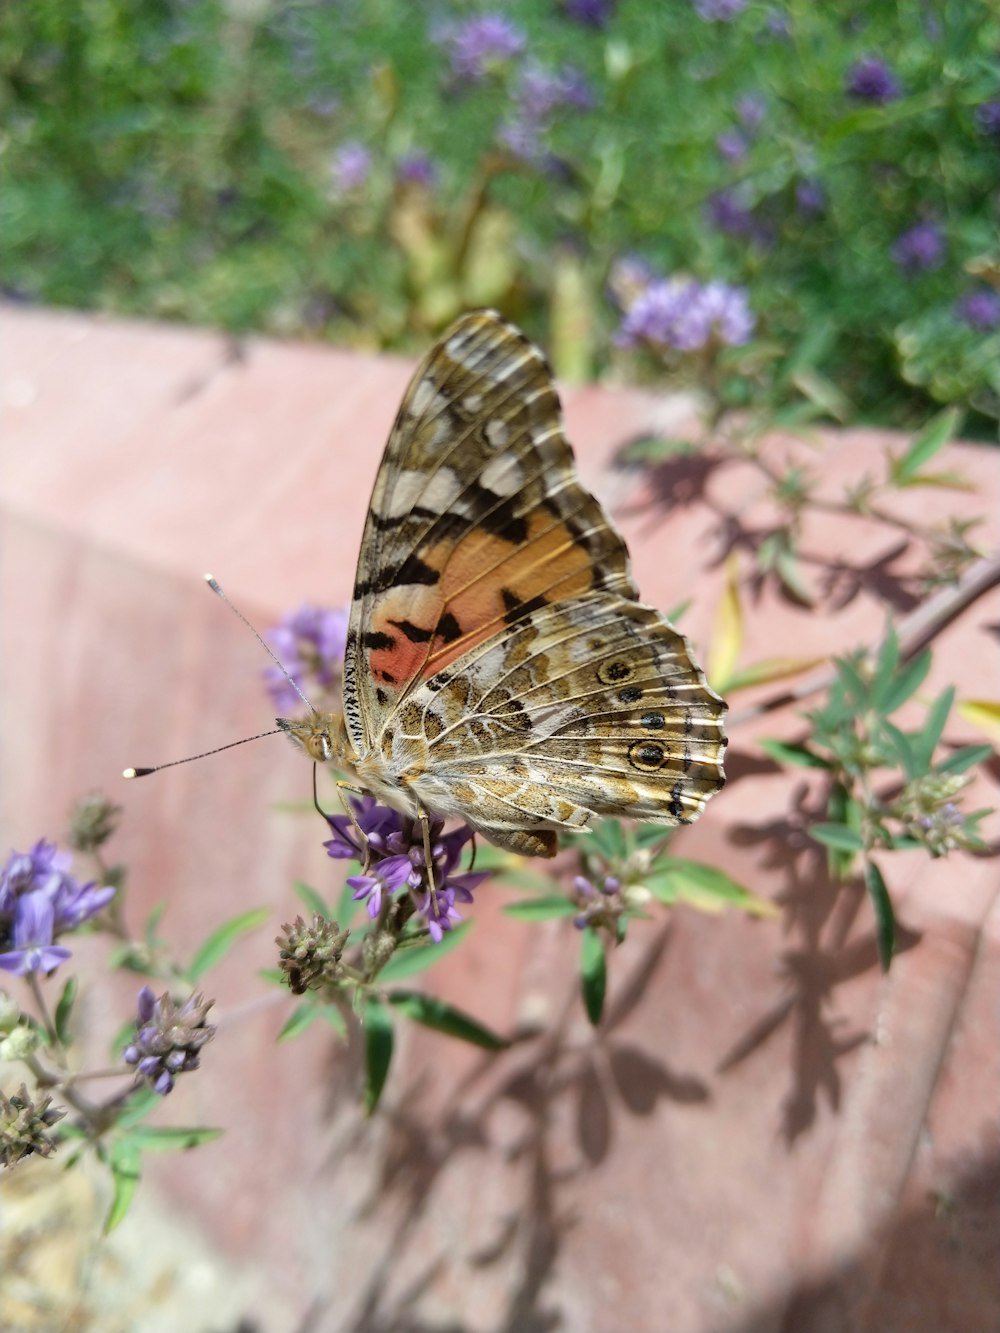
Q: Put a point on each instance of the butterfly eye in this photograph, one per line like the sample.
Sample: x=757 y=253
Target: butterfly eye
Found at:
x=319 y=747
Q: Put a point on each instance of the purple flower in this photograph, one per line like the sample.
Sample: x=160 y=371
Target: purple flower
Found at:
x=980 y=309
x=919 y=248
x=384 y=878
x=810 y=197
x=729 y=214
x=398 y=863
x=32 y=935
x=417 y=169
x=39 y=901
x=777 y=24
x=480 y=45
x=310 y=643
x=988 y=119
x=732 y=145
x=686 y=316
x=591 y=13
x=375 y=821
x=751 y=109
x=540 y=94
x=719 y=11
x=871 y=80
x=350 y=167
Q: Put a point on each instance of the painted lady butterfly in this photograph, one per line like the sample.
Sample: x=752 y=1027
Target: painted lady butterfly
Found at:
x=499 y=666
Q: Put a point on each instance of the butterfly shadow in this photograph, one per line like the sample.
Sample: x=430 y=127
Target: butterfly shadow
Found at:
x=561 y=1075
x=821 y=916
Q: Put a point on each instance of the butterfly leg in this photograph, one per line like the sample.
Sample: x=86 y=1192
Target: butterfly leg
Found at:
x=343 y=787
x=425 y=829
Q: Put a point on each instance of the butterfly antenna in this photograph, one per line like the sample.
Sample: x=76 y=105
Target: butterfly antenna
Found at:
x=214 y=585
x=145 y=772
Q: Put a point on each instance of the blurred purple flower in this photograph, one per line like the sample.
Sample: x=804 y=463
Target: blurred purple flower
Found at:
x=31 y=934
x=417 y=169
x=350 y=167
x=751 y=109
x=871 y=80
x=323 y=104
x=39 y=901
x=310 y=643
x=810 y=197
x=591 y=13
x=919 y=248
x=629 y=275
x=729 y=214
x=540 y=94
x=685 y=315
x=479 y=45
x=719 y=11
x=732 y=145
x=777 y=24
x=988 y=119
x=980 y=309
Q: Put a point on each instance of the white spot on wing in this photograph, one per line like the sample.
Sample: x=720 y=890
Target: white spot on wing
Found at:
x=502 y=475
x=497 y=433
x=437 y=491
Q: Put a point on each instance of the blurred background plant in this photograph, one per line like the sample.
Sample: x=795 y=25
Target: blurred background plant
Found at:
x=827 y=177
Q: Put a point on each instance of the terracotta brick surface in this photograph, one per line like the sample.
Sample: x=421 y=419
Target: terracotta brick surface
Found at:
x=765 y=1135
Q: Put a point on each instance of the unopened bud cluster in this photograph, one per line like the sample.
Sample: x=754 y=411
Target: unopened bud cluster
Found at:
x=24 y=1127
x=928 y=810
x=168 y=1038
x=309 y=955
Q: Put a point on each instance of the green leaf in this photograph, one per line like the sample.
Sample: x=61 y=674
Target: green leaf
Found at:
x=222 y=940
x=901 y=747
x=885 y=669
x=906 y=684
x=964 y=758
x=593 y=974
x=148 y=1138
x=931 y=439
x=126 y=1171
x=378 y=1050
x=788 y=571
x=301 y=1017
x=854 y=685
x=64 y=1010
x=140 y=1102
x=609 y=840
x=926 y=741
x=407 y=962
x=786 y=752
x=708 y=888
x=314 y=901
x=443 y=1017
x=838 y=836
x=765 y=671
x=346 y=907
x=823 y=393
x=541 y=909
x=675 y=613
x=152 y=923
x=885 y=924
x=331 y=1014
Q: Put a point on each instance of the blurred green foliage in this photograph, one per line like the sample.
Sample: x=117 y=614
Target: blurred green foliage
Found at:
x=173 y=158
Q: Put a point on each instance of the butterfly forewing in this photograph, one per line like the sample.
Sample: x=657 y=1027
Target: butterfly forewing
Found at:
x=499 y=667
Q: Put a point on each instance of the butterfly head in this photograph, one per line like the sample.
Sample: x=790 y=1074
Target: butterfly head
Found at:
x=322 y=736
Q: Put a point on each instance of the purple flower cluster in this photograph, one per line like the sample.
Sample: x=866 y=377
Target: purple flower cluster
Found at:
x=417 y=169
x=871 y=80
x=39 y=901
x=310 y=643
x=988 y=119
x=919 y=248
x=394 y=849
x=719 y=11
x=479 y=46
x=980 y=309
x=590 y=13
x=168 y=1038
x=350 y=167
x=539 y=95
x=686 y=315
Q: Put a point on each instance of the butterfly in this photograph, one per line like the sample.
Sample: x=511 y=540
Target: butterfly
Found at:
x=500 y=668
